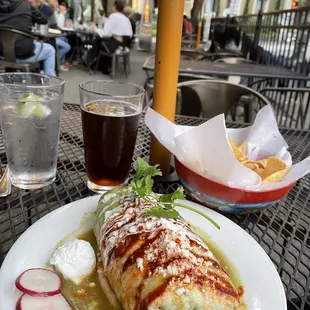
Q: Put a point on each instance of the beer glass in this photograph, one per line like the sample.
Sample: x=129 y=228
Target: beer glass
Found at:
x=110 y=118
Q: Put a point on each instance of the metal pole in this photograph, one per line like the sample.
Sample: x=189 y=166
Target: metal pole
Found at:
x=93 y=11
x=254 y=49
x=199 y=25
x=167 y=61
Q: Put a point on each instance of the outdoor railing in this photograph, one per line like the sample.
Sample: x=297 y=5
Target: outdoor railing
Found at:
x=276 y=38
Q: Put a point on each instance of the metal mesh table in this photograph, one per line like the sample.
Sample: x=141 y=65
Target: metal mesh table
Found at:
x=225 y=69
x=283 y=230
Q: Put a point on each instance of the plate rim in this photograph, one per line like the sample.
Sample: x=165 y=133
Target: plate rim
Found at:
x=208 y=211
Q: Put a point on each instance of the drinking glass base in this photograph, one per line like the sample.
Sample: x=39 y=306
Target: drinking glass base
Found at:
x=36 y=184
x=99 y=189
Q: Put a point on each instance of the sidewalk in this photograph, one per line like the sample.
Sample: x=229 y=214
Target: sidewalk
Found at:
x=78 y=74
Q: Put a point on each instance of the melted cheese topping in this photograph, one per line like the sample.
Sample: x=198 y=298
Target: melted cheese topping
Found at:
x=174 y=240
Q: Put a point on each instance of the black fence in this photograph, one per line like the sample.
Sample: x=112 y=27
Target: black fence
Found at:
x=277 y=38
x=280 y=39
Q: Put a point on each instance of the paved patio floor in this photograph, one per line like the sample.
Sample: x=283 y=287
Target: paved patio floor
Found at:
x=79 y=73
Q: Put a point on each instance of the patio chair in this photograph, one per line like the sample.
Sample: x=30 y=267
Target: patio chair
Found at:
x=192 y=54
x=189 y=41
x=234 y=60
x=291 y=105
x=208 y=98
x=149 y=83
x=7 y=38
x=124 y=54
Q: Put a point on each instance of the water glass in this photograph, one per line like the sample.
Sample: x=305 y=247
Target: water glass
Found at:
x=110 y=118
x=30 y=112
x=43 y=29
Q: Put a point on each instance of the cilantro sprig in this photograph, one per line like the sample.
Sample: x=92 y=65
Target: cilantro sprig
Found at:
x=161 y=205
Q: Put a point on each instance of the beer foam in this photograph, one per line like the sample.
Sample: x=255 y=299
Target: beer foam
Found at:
x=112 y=108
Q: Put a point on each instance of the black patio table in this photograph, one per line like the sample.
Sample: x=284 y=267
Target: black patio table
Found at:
x=283 y=230
x=48 y=35
x=224 y=70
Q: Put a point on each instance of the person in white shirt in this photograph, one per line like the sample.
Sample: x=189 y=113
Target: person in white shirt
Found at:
x=111 y=36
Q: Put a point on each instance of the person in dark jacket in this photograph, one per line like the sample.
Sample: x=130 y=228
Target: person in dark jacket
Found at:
x=47 y=11
x=20 y=15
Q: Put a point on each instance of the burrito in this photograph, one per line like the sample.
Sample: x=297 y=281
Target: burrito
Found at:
x=157 y=262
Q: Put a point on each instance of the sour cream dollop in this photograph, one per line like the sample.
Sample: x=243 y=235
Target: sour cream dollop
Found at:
x=75 y=260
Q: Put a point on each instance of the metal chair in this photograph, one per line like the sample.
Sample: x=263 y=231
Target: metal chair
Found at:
x=234 y=60
x=193 y=54
x=189 y=41
x=7 y=38
x=291 y=105
x=125 y=55
x=149 y=83
x=208 y=98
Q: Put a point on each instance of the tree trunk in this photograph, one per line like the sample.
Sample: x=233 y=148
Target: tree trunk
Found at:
x=195 y=10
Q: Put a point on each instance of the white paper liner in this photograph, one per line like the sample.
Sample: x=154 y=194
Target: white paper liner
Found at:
x=206 y=150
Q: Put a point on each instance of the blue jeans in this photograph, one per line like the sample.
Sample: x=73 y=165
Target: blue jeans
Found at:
x=64 y=47
x=46 y=55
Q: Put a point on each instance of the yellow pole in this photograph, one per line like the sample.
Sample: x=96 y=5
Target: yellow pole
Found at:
x=199 y=26
x=167 y=61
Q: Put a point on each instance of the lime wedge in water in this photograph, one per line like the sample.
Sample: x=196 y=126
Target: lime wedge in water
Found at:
x=32 y=107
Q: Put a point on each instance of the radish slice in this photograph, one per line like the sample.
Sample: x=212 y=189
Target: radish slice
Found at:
x=57 y=302
x=39 y=282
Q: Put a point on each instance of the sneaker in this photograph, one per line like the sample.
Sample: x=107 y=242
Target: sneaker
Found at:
x=63 y=68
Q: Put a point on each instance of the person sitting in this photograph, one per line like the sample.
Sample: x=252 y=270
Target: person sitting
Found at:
x=69 y=11
x=187 y=26
x=111 y=36
x=62 y=42
x=128 y=12
x=20 y=15
x=47 y=11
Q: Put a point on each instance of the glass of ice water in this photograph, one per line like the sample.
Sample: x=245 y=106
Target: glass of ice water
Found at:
x=30 y=112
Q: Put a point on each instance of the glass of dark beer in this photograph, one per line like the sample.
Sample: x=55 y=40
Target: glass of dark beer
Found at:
x=110 y=118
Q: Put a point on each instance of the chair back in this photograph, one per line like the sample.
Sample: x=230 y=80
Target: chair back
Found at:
x=234 y=60
x=8 y=38
x=208 y=98
x=149 y=83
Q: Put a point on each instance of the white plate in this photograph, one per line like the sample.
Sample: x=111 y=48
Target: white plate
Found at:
x=67 y=28
x=54 y=31
x=263 y=287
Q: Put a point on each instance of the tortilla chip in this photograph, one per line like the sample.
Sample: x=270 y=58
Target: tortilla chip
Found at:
x=273 y=165
x=277 y=176
x=232 y=142
x=238 y=153
x=250 y=164
x=242 y=147
x=270 y=169
x=263 y=162
x=259 y=171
